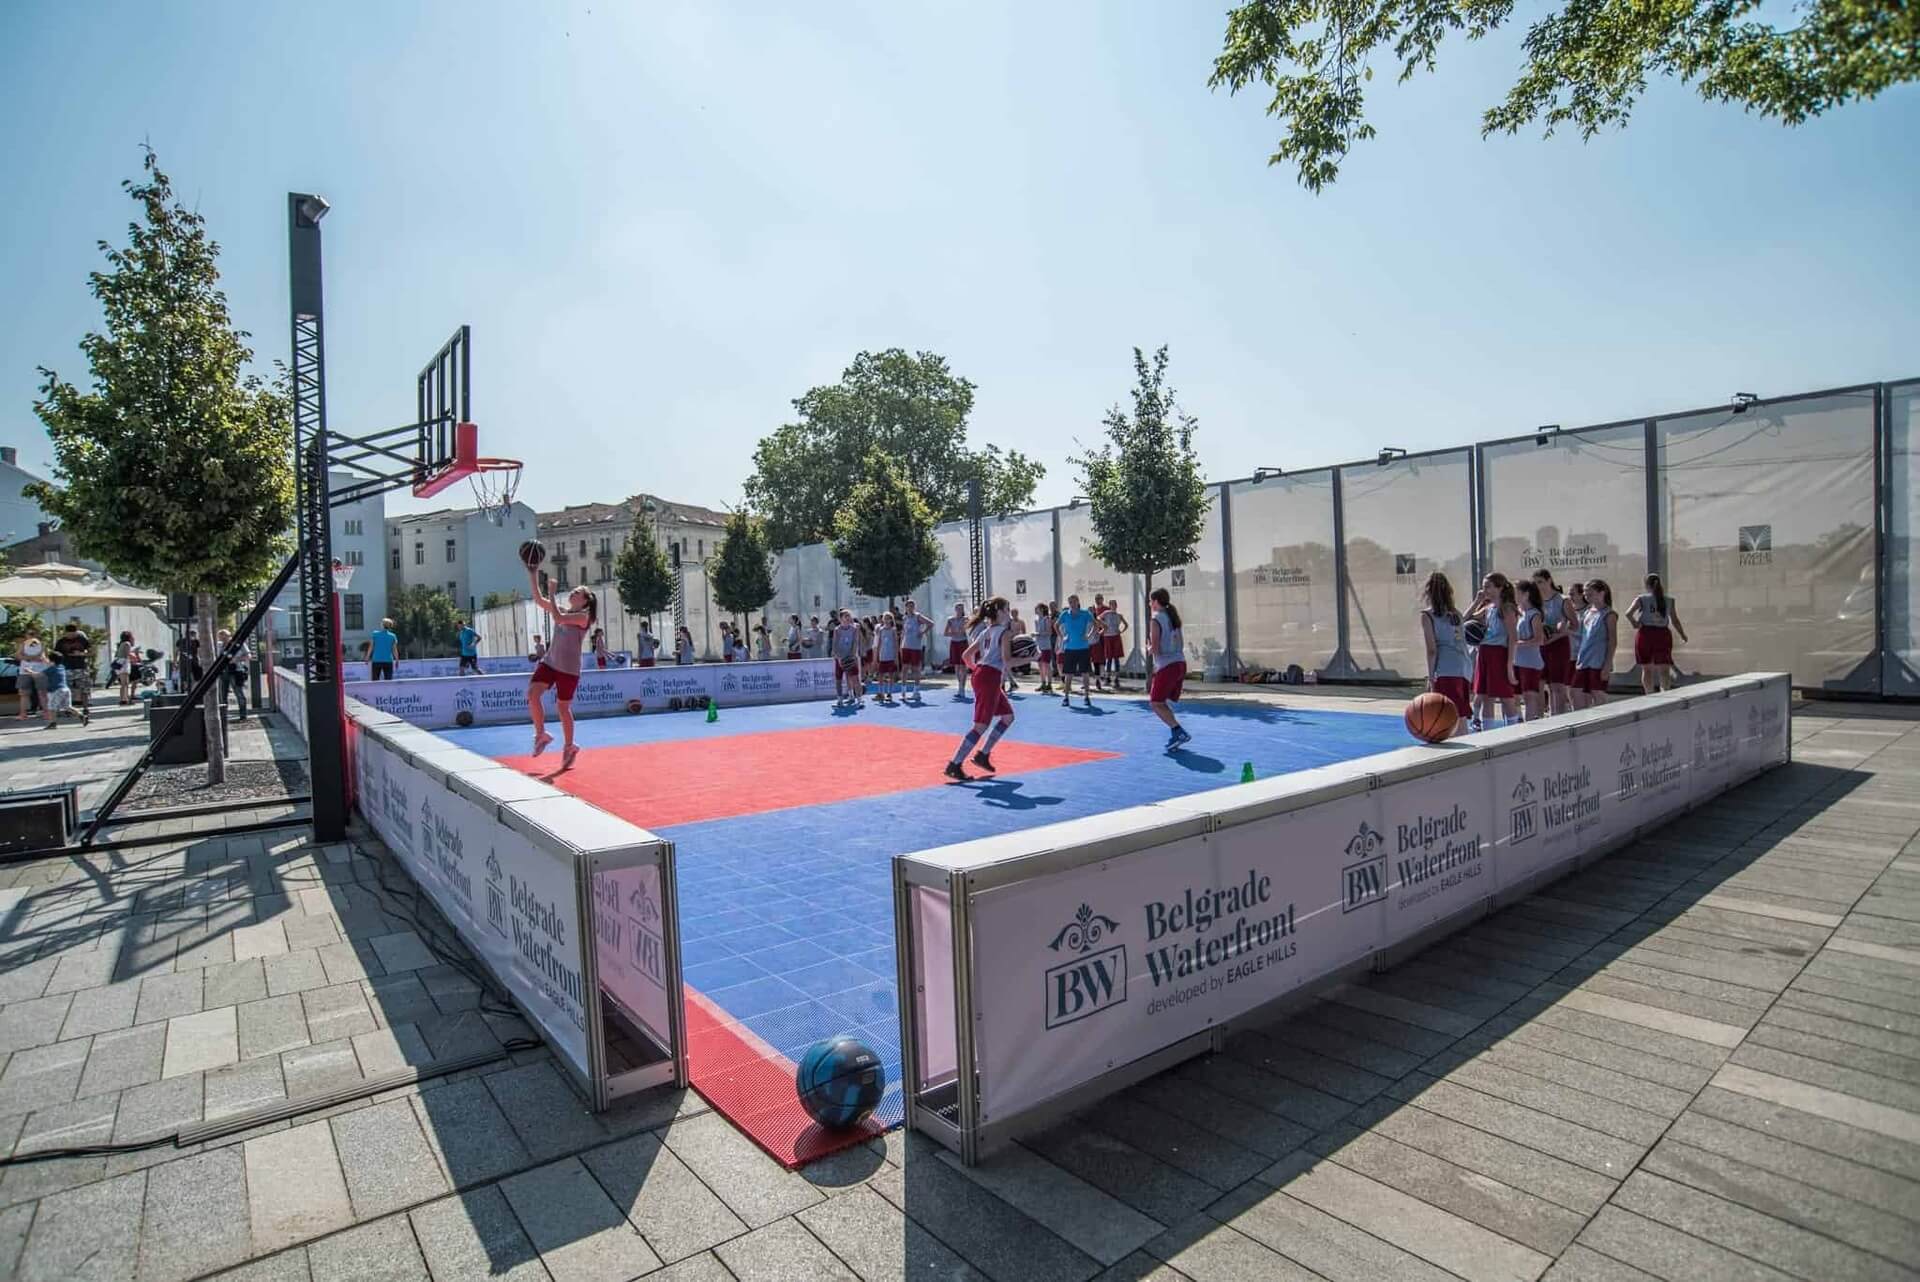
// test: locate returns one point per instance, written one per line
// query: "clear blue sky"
(666, 221)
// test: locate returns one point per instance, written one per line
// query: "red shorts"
(563, 683)
(1531, 679)
(912, 658)
(887, 667)
(727, 657)
(849, 665)
(1490, 673)
(989, 700)
(1113, 649)
(956, 650)
(643, 663)
(793, 654)
(1653, 645)
(1589, 679)
(1167, 683)
(1557, 654)
(1456, 689)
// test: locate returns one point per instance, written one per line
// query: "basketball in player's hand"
(1431, 717)
(532, 553)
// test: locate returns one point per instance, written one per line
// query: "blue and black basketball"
(840, 1082)
(1476, 632)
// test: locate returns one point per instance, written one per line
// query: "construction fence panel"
(1401, 521)
(1283, 571)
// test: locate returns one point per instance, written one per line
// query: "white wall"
(493, 555)
(20, 516)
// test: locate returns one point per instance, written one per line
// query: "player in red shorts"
(559, 667)
(915, 629)
(989, 655)
(1167, 646)
(1448, 666)
(1599, 637)
(886, 653)
(956, 634)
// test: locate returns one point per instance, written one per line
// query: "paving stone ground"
(1697, 1059)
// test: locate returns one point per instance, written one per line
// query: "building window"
(356, 526)
(396, 556)
(583, 547)
(419, 554)
(453, 590)
(562, 580)
(453, 551)
(353, 611)
(352, 556)
(703, 549)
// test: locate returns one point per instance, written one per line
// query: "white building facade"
(461, 553)
(357, 533)
(583, 540)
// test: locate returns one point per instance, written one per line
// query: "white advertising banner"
(356, 670)
(435, 703)
(510, 900)
(628, 944)
(290, 698)
(1081, 969)
(1102, 965)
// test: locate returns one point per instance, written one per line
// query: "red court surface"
(659, 785)
(753, 1085)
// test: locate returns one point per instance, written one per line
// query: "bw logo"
(643, 906)
(1405, 563)
(729, 684)
(1365, 876)
(464, 699)
(1525, 812)
(1092, 978)
(1756, 538)
(1628, 782)
(496, 899)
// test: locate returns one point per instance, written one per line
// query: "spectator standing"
(74, 652)
(233, 679)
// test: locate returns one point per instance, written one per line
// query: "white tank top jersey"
(914, 631)
(1651, 615)
(793, 637)
(1528, 628)
(1043, 633)
(846, 640)
(956, 629)
(1555, 609)
(1173, 644)
(885, 644)
(1110, 623)
(992, 639)
(645, 644)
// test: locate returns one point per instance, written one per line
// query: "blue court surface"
(786, 913)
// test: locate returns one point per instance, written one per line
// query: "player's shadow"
(1196, 762)
(1090, 710)
(1005, 794)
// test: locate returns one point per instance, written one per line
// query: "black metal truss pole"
(976, 547)
(325, 734)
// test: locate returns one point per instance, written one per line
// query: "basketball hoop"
(342, 575)
(495, 481)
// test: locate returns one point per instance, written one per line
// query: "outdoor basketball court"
(785, 818)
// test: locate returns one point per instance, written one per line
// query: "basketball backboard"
(443, 401)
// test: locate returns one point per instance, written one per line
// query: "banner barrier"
(1062, 963)
(403, 669)
(290, 697)
(572, 910)
(436, 703)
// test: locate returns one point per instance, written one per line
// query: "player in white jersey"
(915, 631)
(989, 655)
(845, 645)
(793, 636)
(956, 634)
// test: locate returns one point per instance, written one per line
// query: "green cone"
(1246, 772)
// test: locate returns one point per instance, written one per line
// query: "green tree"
(642, 576)
(425, 620)
(1148, 502)
(911, 408)
(175, 467)
(884, 533)
(741, 570)
(492, 599)
(1587, 62)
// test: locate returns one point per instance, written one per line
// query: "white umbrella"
(63, 591)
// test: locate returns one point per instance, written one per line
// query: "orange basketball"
(1431, 717)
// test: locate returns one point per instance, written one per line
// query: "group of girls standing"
(1523, 651)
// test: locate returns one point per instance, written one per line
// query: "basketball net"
(495, 482)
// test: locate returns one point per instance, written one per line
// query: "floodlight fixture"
(1388, 453)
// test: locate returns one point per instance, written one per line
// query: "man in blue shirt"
(469, 649)
(380, 648)
(1076, 651)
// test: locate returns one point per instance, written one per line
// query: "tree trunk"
(215, 702)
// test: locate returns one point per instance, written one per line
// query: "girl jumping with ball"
(559, 667)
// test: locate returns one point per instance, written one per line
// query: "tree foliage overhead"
(883, 534)
(425, 619)
(641, 574)
(741, 572)
(911, 408)
(1587, 61)
(1148, 501)
(175, 467)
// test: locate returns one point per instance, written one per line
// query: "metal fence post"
(1341, 664)
(1226, 581)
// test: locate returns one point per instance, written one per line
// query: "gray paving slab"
(1210, 1158)
(1314, 1240)
(123, 1059)
(779, 1251)
(544, 1111)
(871, 1236)
(382, 1251)
(296, 972)
(14, 1223)
(1569, 1141)
(286, 1266)
(335, 1011)
(1205, 1250)
(677, 1214)
(475, 1235)
(705, 1267)
(399, 999)
(468, 1133)
(1161, 1192)
(1716, 1219)
(295, 1189)
(101, 1010)
(1583, 1264)
(402, 951)
(1825, 1074)
(234, 983)
(272, 1025)
(85, 1233)
(33, 1022)
(196, 1216)
(1665, 1252)
(166, 996)
(387, 1160)
(995, 1238)
(1811, 1130)
(42, 1076)
(311, 932)
(23, 982)
(754, 1187)
(239, 1087)
(80, 1124)
(346, 961)
(309, 1070)
(1265, 1133)
(579, 1232)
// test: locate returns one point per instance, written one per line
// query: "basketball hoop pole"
(319, 602)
